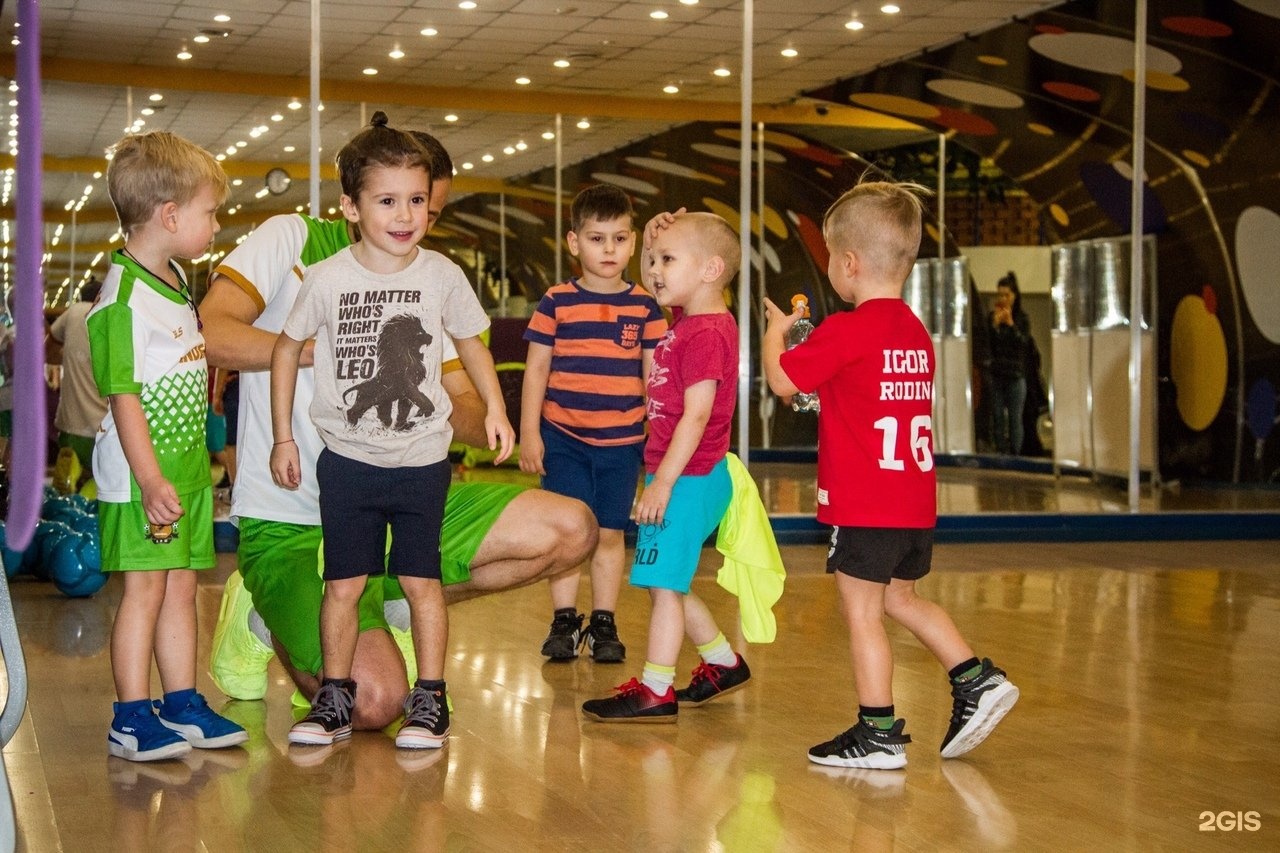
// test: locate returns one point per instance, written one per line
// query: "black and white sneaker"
(865, 746)
(601, 639)
(426, 720)
(562, 643)
(330, 717)
(977, 706)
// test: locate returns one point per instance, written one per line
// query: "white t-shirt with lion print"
(379, 338)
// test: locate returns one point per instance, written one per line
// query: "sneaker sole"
(992, 707)
(609, 657)
(874, 761)
(173, 750)
(694, 703)
(414, 740)
(662, 718)
(318, 738)
(194, 736)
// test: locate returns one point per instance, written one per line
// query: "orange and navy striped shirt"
(595, 391)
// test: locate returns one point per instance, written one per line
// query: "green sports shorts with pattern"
(280, 564)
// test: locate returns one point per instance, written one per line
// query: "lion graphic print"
(378, 354)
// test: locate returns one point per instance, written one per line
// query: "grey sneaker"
(426, 720)
(330, 717)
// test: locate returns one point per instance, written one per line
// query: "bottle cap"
(800, 300)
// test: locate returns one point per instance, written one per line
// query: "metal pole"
(940, 438)
(315, 108)
(767, 400)
(502, 254)
(744, 238)
(71, 275)
(1136, 276)
(559, 191)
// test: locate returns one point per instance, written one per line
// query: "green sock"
(881, 718)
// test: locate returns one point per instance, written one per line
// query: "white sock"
(718, 652)
(259, 629)
(396, 612)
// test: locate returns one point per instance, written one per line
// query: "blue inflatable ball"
(48, 535)
(91, 552)
(53, 505)
(86, 525)
(12, 559)
(71, 574)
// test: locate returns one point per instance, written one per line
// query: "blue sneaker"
(199, 726)
(137, 735)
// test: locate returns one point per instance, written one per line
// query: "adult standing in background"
(80, 407)
(1010, 340)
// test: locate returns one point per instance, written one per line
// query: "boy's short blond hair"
(717, 239)
(881, 222)
(157, 167)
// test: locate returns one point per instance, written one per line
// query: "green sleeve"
(111, 347)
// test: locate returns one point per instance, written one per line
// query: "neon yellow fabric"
(752, 569)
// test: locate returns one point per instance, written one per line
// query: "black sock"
(433, 686)
(566, 611)
(881, 718)
(965, 670)
(345, 683)
(601, 614)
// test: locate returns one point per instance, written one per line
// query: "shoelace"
(704, 672)
(632, 686)
(329, 703)
(424, 706)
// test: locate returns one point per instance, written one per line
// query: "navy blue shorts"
(358, 501)
(604, 478)
(231, 407)
(880, 554)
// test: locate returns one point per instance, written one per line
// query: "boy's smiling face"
(676, 266)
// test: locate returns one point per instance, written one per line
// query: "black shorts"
(880, 554)
(358, 501)
(231, 407)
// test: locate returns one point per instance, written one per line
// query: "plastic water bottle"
(803, 327)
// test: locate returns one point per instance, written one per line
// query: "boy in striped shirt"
(582, 408)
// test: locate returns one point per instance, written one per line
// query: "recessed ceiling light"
(584, 124)
(890, 9)
(521, 145)
(722, 72)
(277, 117)
(468, 165)
(220, 157)
(147, 111)
(428, 31)
(184, 54)
(231, 149)
(508, 150)
(289, 149)
(790, 52)
(240, 143)
(369, 71)
(295, 104)
(854, 24)
(396, 53)
(548, 135)
(156, 96)
(201, 39)
(222, 19)
(671, 88)
(561, 63)
(523, 81)
(237, 182)
(658, 15)
(467, 4)
(488, 158)
(97, 175)
(451, 117)
(689, 2)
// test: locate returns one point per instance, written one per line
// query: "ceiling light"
(561, 63)
(147, 111)
(671, 88)
(369, 71)
(790, 52)
(231, 149)
(451, 117)
(467, 4)
(548, 135)
(220, 157)
(855, 25)
(488, 158)
(184, 54)
(521, 145)
(396, 53)
(201, 39)
(468, 165)
(241, 143)
(262, 193)
(523, 81)
(97, 175)
(890, 9)
(155, 96)
(289, 149)
(237, 182)
(222, 19)
(428, 31)
(277, 117)
(584, 124)
(508, 150)
(295, 104)
(689, 2)
(658, 15)
(722, 72)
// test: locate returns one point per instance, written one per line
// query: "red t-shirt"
(695, 348)
(873, 370)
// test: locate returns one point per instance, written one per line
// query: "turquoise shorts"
(667, 554)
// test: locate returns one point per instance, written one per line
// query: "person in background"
(80, 407)
(1009, 341)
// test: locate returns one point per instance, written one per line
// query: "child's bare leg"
(133, 634)
(666, 626)
(175, 643)
(699, 624)
(339, 625)
(930, 624)
(430, 625)
(564, 590)
(608, 564)
(863, 604)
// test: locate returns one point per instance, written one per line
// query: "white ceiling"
(616, 52)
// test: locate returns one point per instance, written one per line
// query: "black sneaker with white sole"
(978, 704)
(601, 639)
(865, 746)
(562, 642)
(330, 716)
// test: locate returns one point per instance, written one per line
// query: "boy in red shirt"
(873, 370)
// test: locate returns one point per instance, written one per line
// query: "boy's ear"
(713, 269)
(850, 262)
(169, 216)
(349, 209)
(571, 240)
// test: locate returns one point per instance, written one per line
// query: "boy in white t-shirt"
(379, 311)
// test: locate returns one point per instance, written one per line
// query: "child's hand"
(657, 223)
(652, 505)
(777, 321)
(532, 451)
(501, 436)
(160, 501)
(286, 470)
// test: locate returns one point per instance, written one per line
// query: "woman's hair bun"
(379, 119)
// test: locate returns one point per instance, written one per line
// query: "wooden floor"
(1150, 700)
